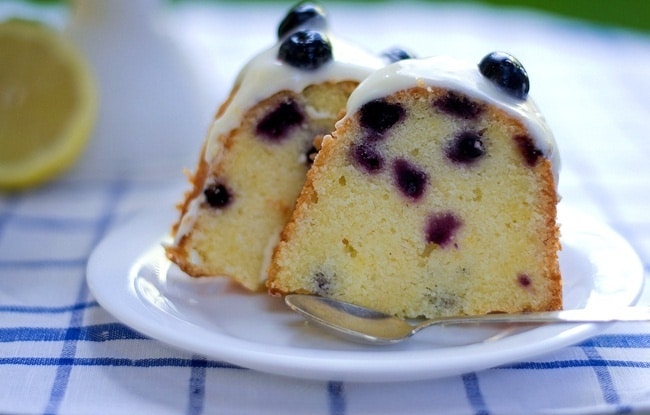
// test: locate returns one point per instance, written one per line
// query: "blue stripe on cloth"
(336, 398)
(197, 385)
(115, 193)
(43, 263)
(604, 376)
(112, 361)
(610, 394)
(46, 310)
(563, 364)
(474, 394)
(95, 333)
(69, 350)
(118, 331)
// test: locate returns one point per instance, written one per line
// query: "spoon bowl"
(362, 324)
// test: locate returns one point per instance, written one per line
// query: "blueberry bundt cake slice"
(260, 146)
(435, 196)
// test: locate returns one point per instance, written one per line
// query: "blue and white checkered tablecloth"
(61, 353)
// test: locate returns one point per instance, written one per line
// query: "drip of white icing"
(463, 77)
(266, 75)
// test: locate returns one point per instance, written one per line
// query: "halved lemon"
(47, 103)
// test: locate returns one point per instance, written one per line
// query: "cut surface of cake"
(435, 196)
(260, 146)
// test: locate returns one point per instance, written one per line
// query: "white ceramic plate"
(131, 278)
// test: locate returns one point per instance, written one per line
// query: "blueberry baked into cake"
(435, 196)
(260, 146)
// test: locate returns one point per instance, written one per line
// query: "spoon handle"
(564, 316)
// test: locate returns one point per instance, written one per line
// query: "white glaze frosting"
(265, 75)
(463, 77)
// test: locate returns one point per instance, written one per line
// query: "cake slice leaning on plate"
(260, 146)
(435, 196)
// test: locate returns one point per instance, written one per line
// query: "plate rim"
(298, 363)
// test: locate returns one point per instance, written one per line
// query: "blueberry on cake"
(260, 146)
(435, 196)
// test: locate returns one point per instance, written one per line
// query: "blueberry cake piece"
(435, 196)
(261, 144)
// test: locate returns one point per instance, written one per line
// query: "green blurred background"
(634, 14)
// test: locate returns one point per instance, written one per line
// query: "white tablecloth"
(60, 352)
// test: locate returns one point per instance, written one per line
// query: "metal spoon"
(365, 325)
